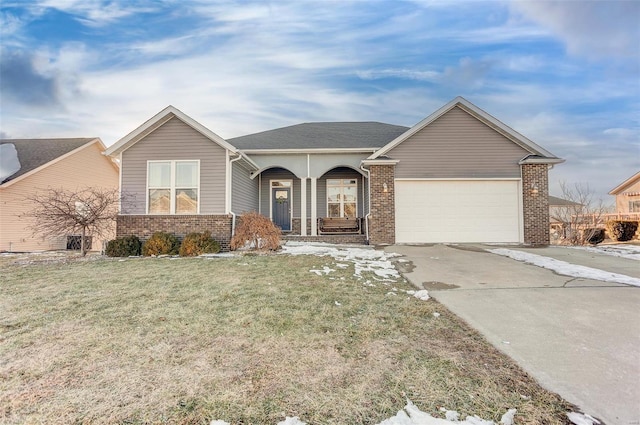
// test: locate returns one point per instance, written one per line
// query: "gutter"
(233, 215)
(368, 214)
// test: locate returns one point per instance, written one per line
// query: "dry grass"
(246, 339)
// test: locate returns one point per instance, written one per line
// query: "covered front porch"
(329, 205)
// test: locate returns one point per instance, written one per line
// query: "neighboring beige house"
(38, 164)
(627, 195)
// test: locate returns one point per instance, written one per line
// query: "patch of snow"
(567, 269)
(631, 252)
(423, 295)
(325, 270)
(507, 418)
(364, 259)
(292, 421)
(219, 423)
(451, 415)
(9, 162)
(411, 415)
(218, 255)
(436, 314)
(338, 304)
(582, 419)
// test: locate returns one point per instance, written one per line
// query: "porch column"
(314, 209)
(303, 206)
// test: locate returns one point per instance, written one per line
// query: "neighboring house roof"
(559, 202)
(36, 153)
(156, 121)
(619, 190)
(322, 135)
(537, 153)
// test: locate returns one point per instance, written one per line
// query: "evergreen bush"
(125, 246)
(161, 243)
(195, 244)
(594, 236)
(621, 231)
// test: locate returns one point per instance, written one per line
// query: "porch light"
(534, 189)
(385, 188)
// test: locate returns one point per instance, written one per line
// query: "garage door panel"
(457, 211)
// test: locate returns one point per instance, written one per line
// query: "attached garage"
(439, 211)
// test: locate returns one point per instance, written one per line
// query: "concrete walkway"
(578, 337)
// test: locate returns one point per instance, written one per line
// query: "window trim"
(172, 186)
(633, 201)
(342, 185)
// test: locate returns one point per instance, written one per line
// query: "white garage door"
(457, 211)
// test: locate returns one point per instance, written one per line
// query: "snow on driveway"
(632, 252)
(567, 269)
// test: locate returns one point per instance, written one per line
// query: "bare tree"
(581, 217)
(86, 211)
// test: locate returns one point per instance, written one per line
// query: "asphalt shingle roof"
(33, 153)
(322, 135)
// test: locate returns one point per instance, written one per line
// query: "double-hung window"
(173, 187)
(634, 205)
(342, 196)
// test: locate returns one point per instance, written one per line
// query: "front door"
(280, 207)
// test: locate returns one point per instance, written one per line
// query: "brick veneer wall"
(382, 222)
(535, 205)
(144, 226)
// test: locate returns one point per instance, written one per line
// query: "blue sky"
(566, 74)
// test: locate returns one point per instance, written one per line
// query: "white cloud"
(596, 29)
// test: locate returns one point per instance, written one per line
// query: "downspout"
(233, 215)
(366, 217)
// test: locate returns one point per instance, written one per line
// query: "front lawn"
(247, 340)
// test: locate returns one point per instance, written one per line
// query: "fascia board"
(539, 160)
(54, 161)
(631, 180)
(307, 151)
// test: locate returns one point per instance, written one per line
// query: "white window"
(342, 198)
(634, 206)
(173, 187)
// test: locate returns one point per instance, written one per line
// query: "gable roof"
(625, 184)
(36, 153)
(155, 122)
(366, 136)
(537, 153)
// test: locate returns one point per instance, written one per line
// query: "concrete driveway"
(578, 337)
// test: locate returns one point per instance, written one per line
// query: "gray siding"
(337, 173)
(175, 140)
(457, 145)
(244, 194)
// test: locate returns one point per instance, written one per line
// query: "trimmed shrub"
(125, 246)
(593, 236)
(256, 232)
(198, 243)
(621, 231)
(161, 243)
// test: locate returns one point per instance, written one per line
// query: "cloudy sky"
(564, 73)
